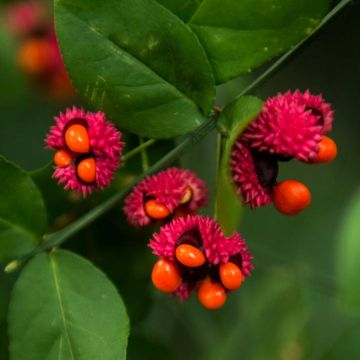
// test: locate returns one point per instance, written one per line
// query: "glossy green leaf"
(349, 256)
(183, 9)
(138, 62)
(241, 35)
(22, 212)
(234, 119)
(64, 308)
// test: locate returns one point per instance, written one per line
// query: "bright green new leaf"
(239, 35)
(22, 212)
(63, 308)
(138, 62)
(234, 119)
(349, 256)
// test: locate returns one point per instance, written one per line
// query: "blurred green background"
(289, 309)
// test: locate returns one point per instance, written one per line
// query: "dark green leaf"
(138, 62)
(22, 212)
(349, 256)
(64, 308)
(234, 119)
(241, 35)
(183, 9)
(6, 284)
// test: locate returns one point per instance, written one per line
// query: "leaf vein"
(56, 278)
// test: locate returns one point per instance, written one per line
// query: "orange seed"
(189, 255)
(231, 276)
(166, 276)
(62, 158)
(291, 197)
(327, 151)
(211, 295)
(86, 170)
(156, 210)
(77, 139)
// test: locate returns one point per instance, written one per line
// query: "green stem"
(217, 175)
(137, 150)
(276, 65)
(144, 157)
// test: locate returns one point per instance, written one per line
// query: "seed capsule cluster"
(290, 126)
(77, 141)
(169, 194)
(194, 255)
(87, 150)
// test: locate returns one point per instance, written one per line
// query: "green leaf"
(64, 308)
(238, 114)
(234, 119)
(6, 284)
(241, 35)
(22, 212)
(138, 62)
(349, 256)
(183, 9)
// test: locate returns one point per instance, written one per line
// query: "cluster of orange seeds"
(166, 276)
(77, 142)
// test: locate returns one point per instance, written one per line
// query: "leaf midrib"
(56, 278)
